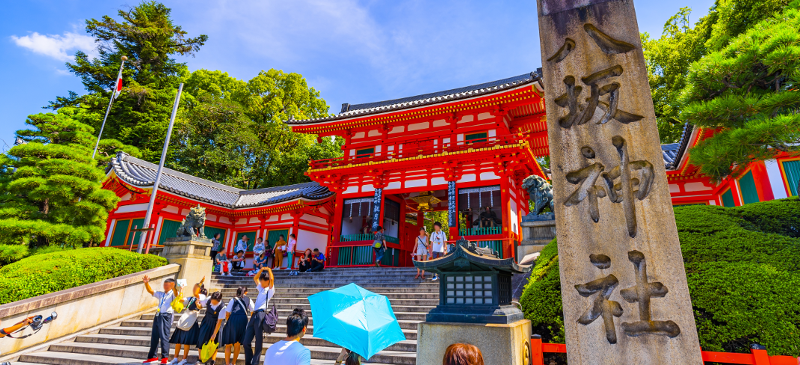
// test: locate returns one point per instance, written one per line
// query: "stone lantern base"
(507, 344)
(194, 256)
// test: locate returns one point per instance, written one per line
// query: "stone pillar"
(377, 205)
(624, 290)
(194, 256)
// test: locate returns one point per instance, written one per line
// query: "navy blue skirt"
(185, 337)
(206, 330)
(234, 330)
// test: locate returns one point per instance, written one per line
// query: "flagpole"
(143, 237)
(108, 109)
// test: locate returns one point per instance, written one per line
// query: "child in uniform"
(162, 321)
(236, 313)
(211, 322)
(188, 338)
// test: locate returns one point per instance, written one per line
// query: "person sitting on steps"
(238, 261)
(317, 261)
(305, 261)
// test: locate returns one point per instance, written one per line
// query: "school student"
(211, 322)
(162, 320)
(266, 290)
(187, 338)
(236, 313)
(290, 351)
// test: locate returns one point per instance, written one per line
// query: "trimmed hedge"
(743, 270)
(51, 272)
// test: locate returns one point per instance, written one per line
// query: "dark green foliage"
(670, 57)
(149, 38)
(12, 253)
(51, 272)
(743, 270)
(541, 300)
(50, 187)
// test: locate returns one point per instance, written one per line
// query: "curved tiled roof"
(673, 152)
(349, 111)
(142, 173)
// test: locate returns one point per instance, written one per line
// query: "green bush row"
(47, 273)
(743, 270)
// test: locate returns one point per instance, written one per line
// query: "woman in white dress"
(421, 249)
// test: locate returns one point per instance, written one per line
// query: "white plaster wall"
(418, 126)
(132, 208)
(674, 188)
(315, 219)
(695, 186)
(286, 216)
(393, 185)
(489, 176)
(126, 197)
(416, 183)
(466, 178)
(373, 133)
(224, 220)
(367, 188)
(272, 218)
(467, 118)
(242, 221)
(171, 209)
(351, 189)
(439, 123)
(438, 181)
(312, 240)
(254, 220)
(776, 179)
(211, 217)
(482, 116)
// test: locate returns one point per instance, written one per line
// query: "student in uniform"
(162, 320)
(236, 313)
(188, 338)
(265, 283)
(211, 322)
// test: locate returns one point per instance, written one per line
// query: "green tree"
(51, 188)
(748, 92)
(233, 132)
(670, 57)
(149, 38)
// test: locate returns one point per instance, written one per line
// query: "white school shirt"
(287, 353)
(264, 295)
(164, 301)
(202, 300)
(229, 307)
(438, 238)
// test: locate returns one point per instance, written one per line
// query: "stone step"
(230, 293)
(411, 334)
(279, 290)
(403, 346)
(140, 352)
(405, 324)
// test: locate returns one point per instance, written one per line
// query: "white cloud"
(57, 46)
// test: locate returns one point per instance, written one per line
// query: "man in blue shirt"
(317, 261)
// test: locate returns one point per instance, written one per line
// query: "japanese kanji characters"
(623, 182)
(641, 293)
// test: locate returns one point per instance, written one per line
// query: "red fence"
(755, 357)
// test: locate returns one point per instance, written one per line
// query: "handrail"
(425, 147)
(480, 231)
(755, 357)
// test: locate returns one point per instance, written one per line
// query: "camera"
(38, 321)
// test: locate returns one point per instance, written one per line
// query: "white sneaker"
(183, 362)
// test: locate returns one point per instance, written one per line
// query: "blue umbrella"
(356, 319)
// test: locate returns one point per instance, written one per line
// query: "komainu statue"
(193, 224)
(541, 194)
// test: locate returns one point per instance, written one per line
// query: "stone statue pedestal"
(535, 235)
(194, 256)
(499, 343)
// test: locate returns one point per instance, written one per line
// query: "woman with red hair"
(462, 354)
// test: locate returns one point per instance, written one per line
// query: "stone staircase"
(128, 342)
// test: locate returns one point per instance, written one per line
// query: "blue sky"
(351, 50)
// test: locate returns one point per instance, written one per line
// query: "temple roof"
(357, 110)
(673, 152)
(141, 173)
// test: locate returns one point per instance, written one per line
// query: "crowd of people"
(429, 247)
(241, 319)
(309, 261)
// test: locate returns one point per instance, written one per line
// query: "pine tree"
(50, 187)
(748, 92)
(149, 38)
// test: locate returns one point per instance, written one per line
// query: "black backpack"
(271, 320)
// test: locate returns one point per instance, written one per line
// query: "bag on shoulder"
(271, 320)
(188, 319)
(177, 305)
(378, 244)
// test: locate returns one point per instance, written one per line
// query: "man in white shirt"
(162, 321)
(265, 283)
(439, 244)
(290, 351)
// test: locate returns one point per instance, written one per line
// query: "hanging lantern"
(425, 200)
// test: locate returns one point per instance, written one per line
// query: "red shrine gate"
(465, 151)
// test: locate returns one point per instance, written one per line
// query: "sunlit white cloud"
(61, 47)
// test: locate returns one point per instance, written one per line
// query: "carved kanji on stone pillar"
(611, 192)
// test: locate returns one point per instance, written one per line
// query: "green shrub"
(12, 253)
(48, 273)
(743, 270)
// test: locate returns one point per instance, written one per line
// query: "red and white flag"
(118, 86)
